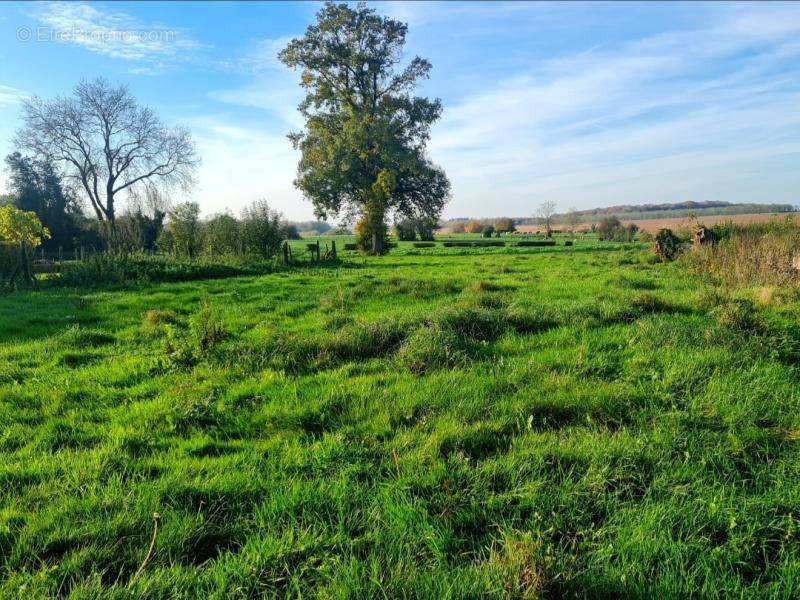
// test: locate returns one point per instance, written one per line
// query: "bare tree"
(108, 143)
(545, 213)
(572, 220)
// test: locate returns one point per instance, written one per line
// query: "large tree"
(108, 143)
(363, 146)
(37, 186)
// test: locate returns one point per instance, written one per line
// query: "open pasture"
(463, 423)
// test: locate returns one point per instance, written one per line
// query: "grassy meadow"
(437, 423)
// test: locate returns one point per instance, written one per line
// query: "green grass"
(440, 422)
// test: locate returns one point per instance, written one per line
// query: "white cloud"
(242, 164)
(112, 33)
(657, 119)
(11, 95)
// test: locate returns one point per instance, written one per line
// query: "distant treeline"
(655, 211)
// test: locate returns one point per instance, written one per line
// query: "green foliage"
(37, 187)
(405, 230)
(371, 236)
(263, 229)
(21, 228)
(184, 230)
(666, 245)
(363, 146)
(205, 333)
(610, 228)
(504, 225)
(222, 236)
(136, 269)
(488, 231)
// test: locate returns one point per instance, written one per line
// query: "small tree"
(366, 231)
(184, 227)
(405, 230)
(473, 226)
(607, 228)
(488, 231)
(545, 213)
(504, 225)
(263, 229)
(37, 186)
(667, 245)
(20, 231)
(222, 236)
(426, 227)
(571, 220)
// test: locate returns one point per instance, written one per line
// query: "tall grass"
(754, 254)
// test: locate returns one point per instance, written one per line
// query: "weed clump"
(737, 315)
(431, 348)
(155, 317)
(205, 333)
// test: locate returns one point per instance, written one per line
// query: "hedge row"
(424, 244)
(480, 244)
(537, 243)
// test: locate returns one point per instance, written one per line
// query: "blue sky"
(583, 104)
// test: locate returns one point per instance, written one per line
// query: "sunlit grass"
(502, 422)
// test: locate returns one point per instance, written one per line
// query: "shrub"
(367, 231)
(351, 247)
(504, 225)
(205, 333)
(607, 227)
(473, 244)
(473, 226)
(263, 229)
(534, 243)
(131, 269)
(426, 226)
(424, 244)
(405, 230)
(568, 243)
(667, 245)
(488, 231)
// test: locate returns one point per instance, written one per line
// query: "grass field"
(436, 423)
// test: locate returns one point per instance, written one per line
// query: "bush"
(130, 269)
(351, 247)
(667, 245)
(405, 230)
(568, 243)
(263, 230)
(473, 244)
(424, 244)
(607, 227)
(366, 231)
(205, 333)
(488, 231)
(535, 243)
(504, 225)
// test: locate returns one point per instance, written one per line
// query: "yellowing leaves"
(21, 227)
